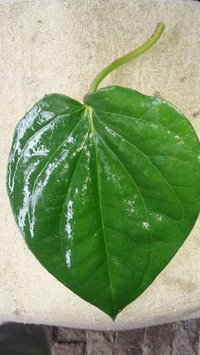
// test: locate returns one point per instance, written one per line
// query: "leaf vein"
(155, 167)
(39, 130)
(146, 121)
(141, 196)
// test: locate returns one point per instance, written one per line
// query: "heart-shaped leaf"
(105, 193)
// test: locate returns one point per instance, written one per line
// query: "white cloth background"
(59, 46)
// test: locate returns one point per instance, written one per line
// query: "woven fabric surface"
(59, 46)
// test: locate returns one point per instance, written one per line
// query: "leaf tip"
(114, 317)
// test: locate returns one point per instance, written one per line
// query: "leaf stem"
(127, 57)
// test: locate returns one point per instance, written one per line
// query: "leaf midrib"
(100, 207)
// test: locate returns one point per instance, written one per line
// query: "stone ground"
(181, 338)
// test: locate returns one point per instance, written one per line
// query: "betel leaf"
(105, 192)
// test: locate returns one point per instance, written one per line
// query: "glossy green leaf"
(105, 193)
